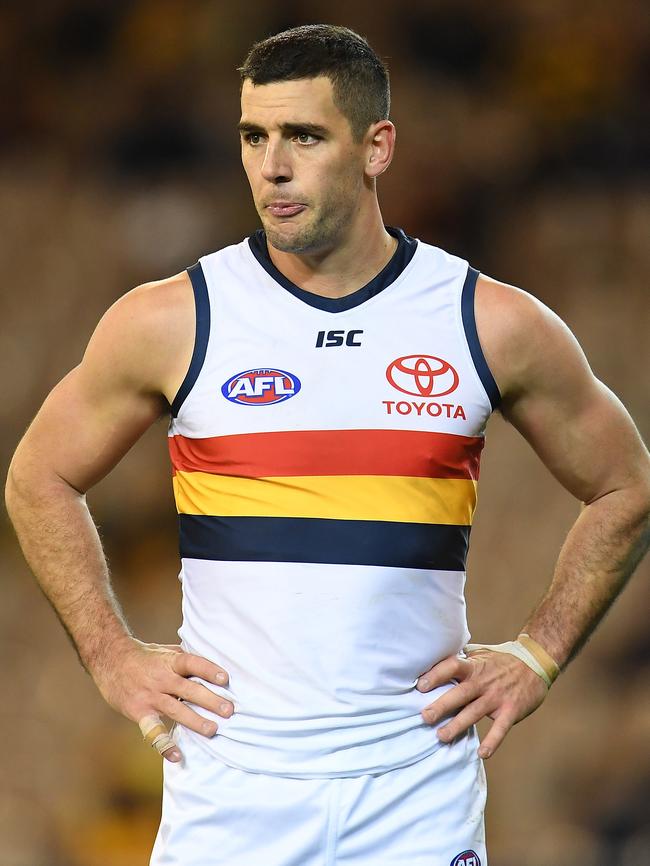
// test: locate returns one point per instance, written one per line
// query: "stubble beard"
(321, 233)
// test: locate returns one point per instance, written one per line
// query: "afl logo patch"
(467, 858)
(422, 376)
(261, 387)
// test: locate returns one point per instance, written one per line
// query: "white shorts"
(429, 813)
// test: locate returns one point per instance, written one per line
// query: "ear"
(380, 147)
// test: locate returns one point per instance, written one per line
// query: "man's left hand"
(489, 685)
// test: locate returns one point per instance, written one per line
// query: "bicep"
(583, 434)
(99, 410)
(578, 427)
(83, 429)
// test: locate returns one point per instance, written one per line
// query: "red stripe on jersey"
(413, 453)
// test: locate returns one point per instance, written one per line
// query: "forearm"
(600, 553)
(63, 549)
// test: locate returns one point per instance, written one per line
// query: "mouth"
(284, 208)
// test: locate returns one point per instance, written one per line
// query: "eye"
(252, 138)
(306, 137)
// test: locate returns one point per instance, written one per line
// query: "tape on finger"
(526, 650)
(155, 733)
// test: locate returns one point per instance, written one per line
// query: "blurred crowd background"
(523, 145)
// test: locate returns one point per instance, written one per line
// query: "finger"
(460, 724)
(451, 668)
(457, 697)
(179, 712)
(156, 735)
(195, 693)
(496, 735)
(189, 665)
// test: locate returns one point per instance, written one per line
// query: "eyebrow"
(286, 128)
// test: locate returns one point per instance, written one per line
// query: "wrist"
(527, 651)
(548, 664)
(105, 654)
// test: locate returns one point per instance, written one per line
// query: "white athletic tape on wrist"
(517, 649)
(547, 661)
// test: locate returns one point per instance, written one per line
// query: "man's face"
(305, 170)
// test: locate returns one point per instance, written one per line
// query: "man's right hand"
(148, 679)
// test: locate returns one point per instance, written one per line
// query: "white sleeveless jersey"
(325, 456)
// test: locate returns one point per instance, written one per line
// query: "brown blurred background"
(523, 145)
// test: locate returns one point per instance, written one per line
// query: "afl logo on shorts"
(261, 387)
(422, 376)
(467, 858)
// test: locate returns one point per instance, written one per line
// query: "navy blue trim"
(406, 247)
(469, 323)
(306, 539)
(202, 306)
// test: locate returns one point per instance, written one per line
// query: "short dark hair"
(360, 84)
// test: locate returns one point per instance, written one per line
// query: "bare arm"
(46, 501)
(133, 365)
(586, 438)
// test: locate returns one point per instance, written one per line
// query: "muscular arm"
(47, 504)
(588, 441)
(132, 368)
(584, 435)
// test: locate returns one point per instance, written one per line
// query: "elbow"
(638, 495)
(636, 490)
(11, 488)
(645, 523)
(646, 511)
(31, 483)
(628, 504)
(639, 502)
(16, 485)
(644, 491)
(26, 484)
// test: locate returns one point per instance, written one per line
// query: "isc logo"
(467, 858)
(337, 338)
(261, 387)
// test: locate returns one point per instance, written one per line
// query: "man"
(329, 380)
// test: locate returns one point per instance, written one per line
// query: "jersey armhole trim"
(471, 333)
(202, 305)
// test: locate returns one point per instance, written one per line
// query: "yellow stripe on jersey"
(346, 497)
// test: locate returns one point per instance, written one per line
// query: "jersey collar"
(405, 251)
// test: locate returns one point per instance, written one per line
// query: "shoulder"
(152, 308)
(578, 427)
(146, 337)
(526, 345)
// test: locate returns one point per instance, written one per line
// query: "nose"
(276, 166)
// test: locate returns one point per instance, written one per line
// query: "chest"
(399, 370)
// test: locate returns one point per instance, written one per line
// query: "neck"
(348, 266)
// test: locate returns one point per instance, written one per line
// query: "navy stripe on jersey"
(202, 306)
(341, 542)
(469, 323)
(405, 251)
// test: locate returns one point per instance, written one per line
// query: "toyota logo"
(422, 376)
